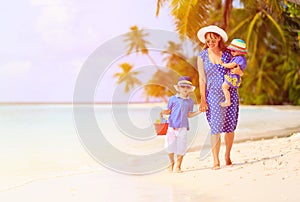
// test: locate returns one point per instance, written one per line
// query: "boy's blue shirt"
(180, 108)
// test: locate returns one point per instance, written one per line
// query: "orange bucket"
(161, 128)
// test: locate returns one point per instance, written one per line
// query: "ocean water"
(44, 141)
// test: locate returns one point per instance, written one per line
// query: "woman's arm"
(202, 84)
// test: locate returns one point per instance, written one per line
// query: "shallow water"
(42, 141)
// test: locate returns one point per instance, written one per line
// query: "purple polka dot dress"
(220, 119)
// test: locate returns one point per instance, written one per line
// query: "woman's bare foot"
(178, 170)
(216, 165)
(225, 104)
(228, 162)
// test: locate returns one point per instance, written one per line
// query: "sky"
(45, 43)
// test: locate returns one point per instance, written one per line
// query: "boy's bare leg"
(172, 162)
(179, 161)
(216, 144)
(225, 88)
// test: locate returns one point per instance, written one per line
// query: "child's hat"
(184, 81)
(238, 45)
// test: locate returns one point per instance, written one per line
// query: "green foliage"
(273, 49)
(271, 29)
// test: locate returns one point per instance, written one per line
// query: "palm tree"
(127, 76)
(267, 26)
(269, 34)
(291, 70)
(136, 42)
(260, 24)
(292, 78)
(226, 13)
(160, 85)
(189, 15)
(269, 44)
(261, 83)
(173, 53)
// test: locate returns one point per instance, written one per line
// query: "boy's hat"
(238, 45)
(184, 81)
(211, 28)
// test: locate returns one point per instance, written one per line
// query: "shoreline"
(270, 168)
(97, 167)
(281, 133)
(264, 142)
(279, 107)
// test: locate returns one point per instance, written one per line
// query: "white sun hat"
(211, 28)
(184, 81)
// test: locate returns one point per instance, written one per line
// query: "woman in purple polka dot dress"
(211, 76)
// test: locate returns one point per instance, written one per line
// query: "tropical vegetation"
(271, 29)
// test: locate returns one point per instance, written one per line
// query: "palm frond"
(159, 4)
(280, 31)
(189, 16)
(251, 26)
(240, 26)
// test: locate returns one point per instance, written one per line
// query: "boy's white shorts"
(176, 140)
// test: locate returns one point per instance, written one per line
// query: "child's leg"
(181, 148)
(171, 146)
(172, 162)
(179, 162)
(225, 88)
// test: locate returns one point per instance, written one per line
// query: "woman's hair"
(213, 35)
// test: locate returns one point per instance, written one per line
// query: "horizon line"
(41, 103)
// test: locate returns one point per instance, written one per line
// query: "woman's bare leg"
(216, 144)
(229, 137)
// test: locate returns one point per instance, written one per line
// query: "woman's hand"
(203, 106)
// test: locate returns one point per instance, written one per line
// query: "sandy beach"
(42, 159)
(263, 170)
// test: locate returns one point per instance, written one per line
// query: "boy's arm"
(165, 112)
(192, 114)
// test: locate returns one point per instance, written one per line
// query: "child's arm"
(237, 70)
(229, 65)
(192, 114)
(234, 68)
(165, 112)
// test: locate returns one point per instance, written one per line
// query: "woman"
(211, 77)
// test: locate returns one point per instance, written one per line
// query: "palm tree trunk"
(226, 13)
(153, 61)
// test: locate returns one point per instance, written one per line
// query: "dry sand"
(263, 170)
